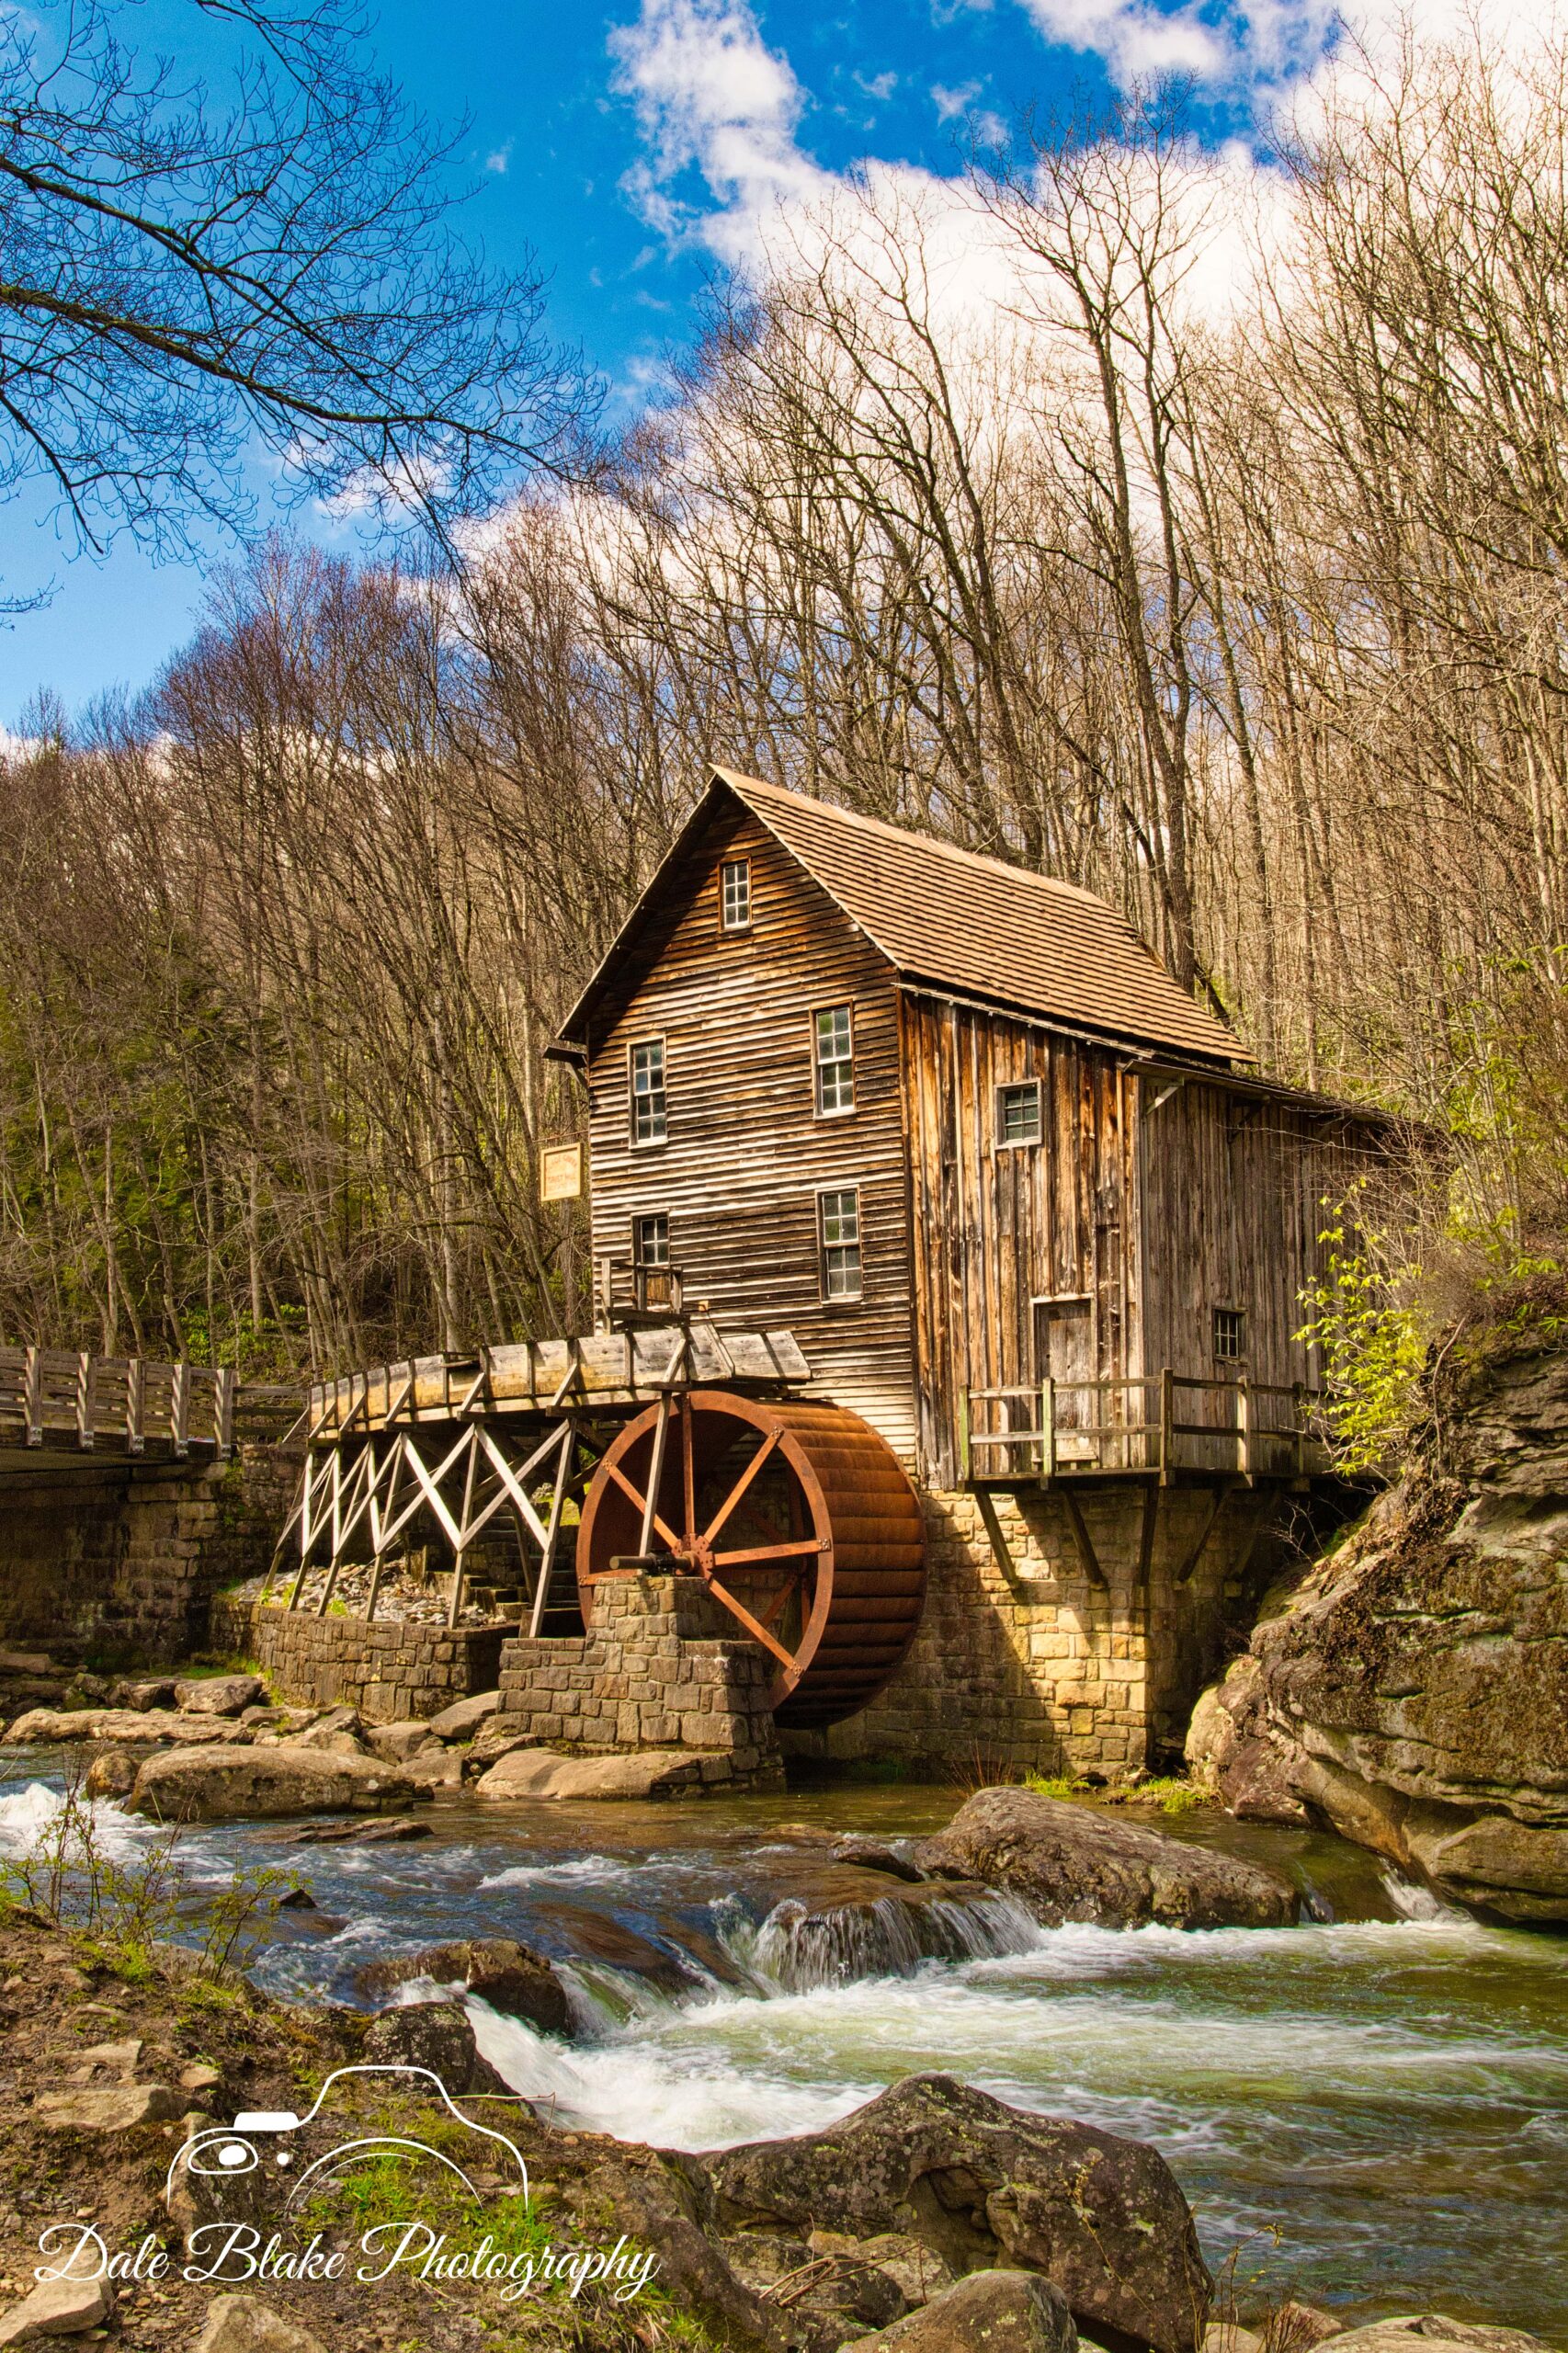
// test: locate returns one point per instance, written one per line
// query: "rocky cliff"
(1411, 1690)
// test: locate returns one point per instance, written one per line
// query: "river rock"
(242, 2324)
(115, 2108)
(438, 2035)
(1231, 1753)
(1071, 1862)
(219, 1695)
(56, 2308)
(986, 2185)
(112, 1773)
(631, 1773)
(143, 1692)
(463, 1718)
(1411, 1688)
(133, 1727)
(506, 1974)
(873, 1855)
(1434, 2332)
(394, 1832)
(890, 1933)
(239, 1785)
(991, 2312)
(398, 1742)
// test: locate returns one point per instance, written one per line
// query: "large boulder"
(991, 2312)
(438, 2035)
(219, 1695)
(1411, 1692)
(245, 2323)
(507, 1975)
(1434, 2332)
(1073, 1862)
(137, 1727)
(630, 1773)
(986, 2185)
(56, 2308)
(248, 1784)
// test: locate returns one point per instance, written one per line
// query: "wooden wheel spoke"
(640, 1500)
(753, 1625)
(789, 1551)
(790, 1585)
(742, 1484)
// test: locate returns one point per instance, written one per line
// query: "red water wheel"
(797, 1518)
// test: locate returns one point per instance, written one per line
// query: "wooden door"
(1066, 1353)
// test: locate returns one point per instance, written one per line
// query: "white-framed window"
(651, 1239)
(650, 1121)
(1230, 1334)
(833, 1045)
(839, 1242)
(1018, 1117)
(735, 894)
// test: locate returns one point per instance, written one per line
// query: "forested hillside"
(1192, 531)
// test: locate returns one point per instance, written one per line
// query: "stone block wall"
(1039, 1664)
(660, 1669)
(387, 1668)
(122, 1564)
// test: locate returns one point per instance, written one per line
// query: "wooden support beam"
(1195, 1551)
(988, 1513)
(656, 1475)
(465, 1532)
(1084, 1540)
(552, 1534)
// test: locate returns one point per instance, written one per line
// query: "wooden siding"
(746, 1155)
(998, 1228)
(1232, 1188)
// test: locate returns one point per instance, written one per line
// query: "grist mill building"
(946, 1375)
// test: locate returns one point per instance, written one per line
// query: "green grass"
(1055, 1785)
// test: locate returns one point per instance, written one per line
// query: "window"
(834, 1060)
(650, 1240)
(838, 1228)
(735, 894)
(648, 1106)
(1229, 1333)
(1017, 1113)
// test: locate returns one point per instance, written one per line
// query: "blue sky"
(632, 150)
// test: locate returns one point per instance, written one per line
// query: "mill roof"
(955, 921)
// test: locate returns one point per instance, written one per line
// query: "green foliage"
(1056, 1785)
(1171, 1792)
(1362, 1314)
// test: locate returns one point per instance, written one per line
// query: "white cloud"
(950, 103)
(712, 99)
(498, 160)
(877, 85)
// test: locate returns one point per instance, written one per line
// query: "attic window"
(1017, 1113)
(1230, 1334)
(735, 894)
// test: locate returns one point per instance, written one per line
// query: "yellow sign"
(560, 1172)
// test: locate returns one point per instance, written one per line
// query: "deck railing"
(1142, 1425)
(626, 1287)
(58, 1397)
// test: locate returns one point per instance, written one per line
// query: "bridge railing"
(62, 1398)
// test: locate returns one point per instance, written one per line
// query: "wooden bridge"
(59, 1402)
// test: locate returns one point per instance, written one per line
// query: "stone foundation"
(1039, 1665)
(660, 1668)
(121, 1564)
(388, 1670)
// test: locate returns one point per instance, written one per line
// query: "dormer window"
(735, 894)
(649, 1107)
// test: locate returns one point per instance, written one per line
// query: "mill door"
(1065, 1354)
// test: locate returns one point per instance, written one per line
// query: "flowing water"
(1371, 2110)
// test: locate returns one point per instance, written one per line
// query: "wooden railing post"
(1167, 1423)
(32, 1397)
(135, 1438)
(224, 1411)
(1047, 1430)
(86, 1399)
(964, 1449)
(179, 1410)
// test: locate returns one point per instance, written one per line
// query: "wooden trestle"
(518, 1428)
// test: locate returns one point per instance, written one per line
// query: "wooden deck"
(57, 1402)
(1165, 1426)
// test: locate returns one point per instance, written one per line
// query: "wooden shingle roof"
(958, 921)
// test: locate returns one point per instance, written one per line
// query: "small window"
(651, 1240)
(648, 1124)
(735, 894)
(1017, 1113)
(1229, 1333)
(834, 1061)
(839, 1227)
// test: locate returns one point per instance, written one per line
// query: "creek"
(1370, 2111)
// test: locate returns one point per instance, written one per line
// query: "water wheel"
(797, 1518)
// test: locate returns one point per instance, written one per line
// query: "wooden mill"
(949, 1262)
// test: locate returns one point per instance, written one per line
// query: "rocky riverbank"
(1411, 1690)
(933, 2220)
